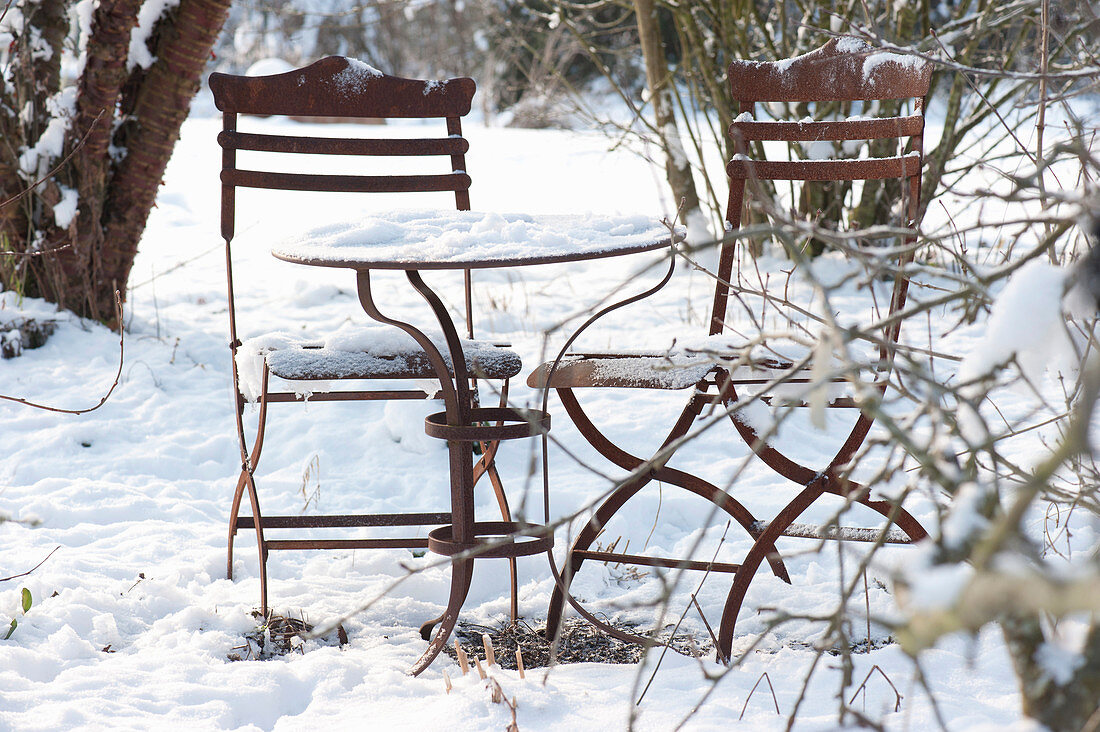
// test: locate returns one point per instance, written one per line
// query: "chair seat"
(368, 352)
(675, 368)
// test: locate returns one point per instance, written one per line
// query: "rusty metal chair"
(842, 71)
(341, 89)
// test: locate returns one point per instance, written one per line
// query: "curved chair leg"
(234, 511)
(584, 539)
(662, 472)
(592, 529)
(486, 465)
(747, 571)
(261, 544)
(461, 574)
(246, 481)
(790, 513)
(624, 493)
(506, 515)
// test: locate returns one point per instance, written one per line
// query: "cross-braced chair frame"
(843, 70)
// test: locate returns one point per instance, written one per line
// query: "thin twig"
(664, 650)
(105, 397)
(37, 253)
(24, 574)
(713, 638)
(863, 688)
(763, 677)
(57, 167)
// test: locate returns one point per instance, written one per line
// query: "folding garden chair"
(734, 366)
(343, 89)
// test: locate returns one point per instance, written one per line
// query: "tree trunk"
(99, 89)
(677, 166)
(1067, 703)
(120, 138)
(24, 118)
(162, 104)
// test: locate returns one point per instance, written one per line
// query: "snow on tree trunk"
(100, 146)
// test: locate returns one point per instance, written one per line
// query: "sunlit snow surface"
(133, 618)
(454, 239)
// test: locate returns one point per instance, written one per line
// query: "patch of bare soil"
(21, 334)
(279, 636)
(580, 642)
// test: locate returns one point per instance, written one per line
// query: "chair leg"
(506, 515)
(757, 553)
(486, 465)
(261, 544)
(234, 512)
(744, 576)
(620, 496)
(246, 481)
(663, 473)
(587, 535)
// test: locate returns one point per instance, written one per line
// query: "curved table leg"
(455, 385)
(486, 466)
(462, 571)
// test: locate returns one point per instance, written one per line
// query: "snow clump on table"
(445, 239)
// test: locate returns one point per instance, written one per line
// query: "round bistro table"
(412, 241)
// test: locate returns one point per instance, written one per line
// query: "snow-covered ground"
(132, 617)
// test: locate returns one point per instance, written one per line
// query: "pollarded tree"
(93, 97)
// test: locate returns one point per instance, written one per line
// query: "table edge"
(480, 263)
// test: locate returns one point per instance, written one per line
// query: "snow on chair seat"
(370, 352)
(765, 362)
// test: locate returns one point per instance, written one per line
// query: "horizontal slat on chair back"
(852, 129)
(341, 87)
(343, 146)
(337, 87)
(346, 183)
(843, 69)
(825, 170)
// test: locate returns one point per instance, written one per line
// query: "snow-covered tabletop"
(423, 239)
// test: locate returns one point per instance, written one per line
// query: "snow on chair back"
(843, 70)
(341, 87)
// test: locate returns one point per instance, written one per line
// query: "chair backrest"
(843, 70)
(338, 87)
